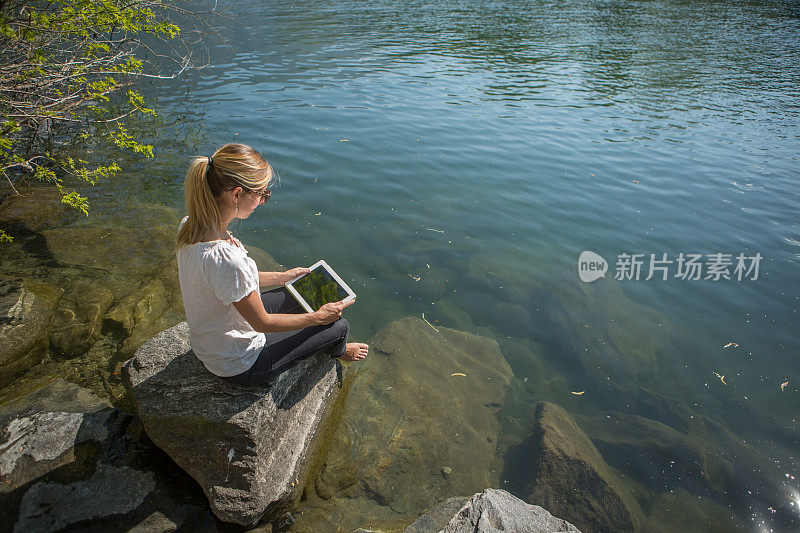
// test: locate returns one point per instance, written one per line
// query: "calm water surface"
(482, 146)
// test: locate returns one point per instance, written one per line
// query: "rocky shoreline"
(70, 459)
(78, 300)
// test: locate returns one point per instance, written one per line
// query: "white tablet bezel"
(321, 263)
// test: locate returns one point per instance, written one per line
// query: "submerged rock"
(96, 267)
(26, 311)
(78, 319)
(571, 478)
(704, 457)
(425, 398)
(660, 456)
(142, 314)
(449, 314)
(493, 511)
(250, 449)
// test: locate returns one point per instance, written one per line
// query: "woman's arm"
(252, 309)
(268, 279)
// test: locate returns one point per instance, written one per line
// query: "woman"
(237, 332)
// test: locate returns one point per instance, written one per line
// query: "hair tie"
(208, 166)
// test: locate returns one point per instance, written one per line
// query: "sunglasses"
(263, 196)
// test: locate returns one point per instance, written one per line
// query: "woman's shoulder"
(222, 252)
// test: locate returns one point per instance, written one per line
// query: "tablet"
(320, 286)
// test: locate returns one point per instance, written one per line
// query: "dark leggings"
(286, 348)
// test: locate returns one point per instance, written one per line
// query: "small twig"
(11, 184)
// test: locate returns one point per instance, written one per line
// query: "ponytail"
(204, 215)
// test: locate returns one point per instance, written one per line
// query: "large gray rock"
(494, 510)
(250, 449)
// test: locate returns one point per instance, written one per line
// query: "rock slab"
(494, 511)
(248, 448)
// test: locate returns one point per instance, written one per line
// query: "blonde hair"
(233, 165)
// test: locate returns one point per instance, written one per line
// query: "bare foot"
(355, 351)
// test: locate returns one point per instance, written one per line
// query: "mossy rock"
(572, 480)
(26, 313)
(78, 320)
(408, 417)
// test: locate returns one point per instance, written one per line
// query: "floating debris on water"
(731, 344)
(783, 385)
(458, 374)
(415, 278)
(438, 230)
(721, 378)
(581, 393)
(431, 325)
(317, 214)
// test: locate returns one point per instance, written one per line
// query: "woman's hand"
(294, 273)
(331, 312)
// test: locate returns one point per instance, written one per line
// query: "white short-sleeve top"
(212, 276)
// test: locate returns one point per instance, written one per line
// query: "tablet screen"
(318, 288)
